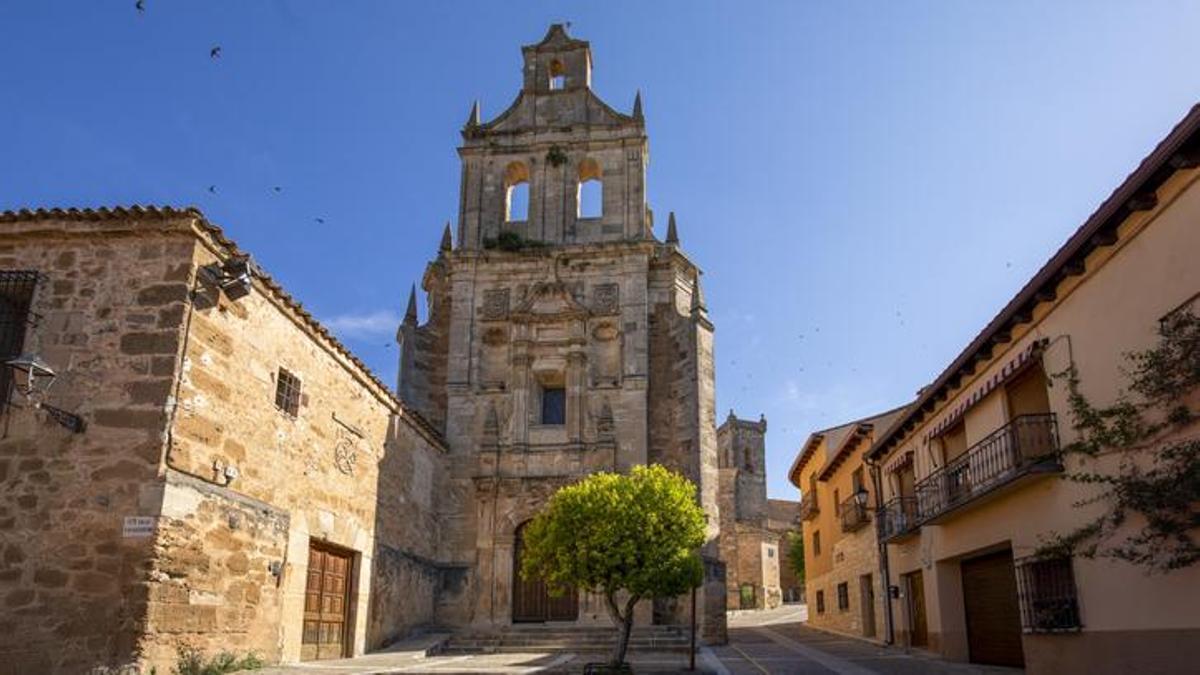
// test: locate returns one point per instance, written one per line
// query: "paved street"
(778, 642)
(772, 642)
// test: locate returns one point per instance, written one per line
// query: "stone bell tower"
(562, 338)
(555, 141)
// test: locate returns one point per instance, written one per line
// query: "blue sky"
(864, 183)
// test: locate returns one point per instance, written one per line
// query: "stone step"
(571, 632)
(489, 647)
(559, 638)
(558, 644)
(589, 648)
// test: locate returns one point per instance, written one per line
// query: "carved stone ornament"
(605, 425)
(605, 332)
(606, 298)
(495, 304)
(345, 453)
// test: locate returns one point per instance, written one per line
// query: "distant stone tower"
(562, 339)
(749, 549)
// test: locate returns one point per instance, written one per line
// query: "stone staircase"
(541, 638)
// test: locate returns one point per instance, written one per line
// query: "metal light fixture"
(861, 497)
(33, 378)
(234, 277)
(33, 375)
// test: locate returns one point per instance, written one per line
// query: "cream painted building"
(843, 583)
(972, 472)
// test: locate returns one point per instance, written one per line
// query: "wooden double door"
(532, 602)
(326, 603)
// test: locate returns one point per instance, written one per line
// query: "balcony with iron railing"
(854, 516)
(808, 505)
(897, 519)
(1026, 446)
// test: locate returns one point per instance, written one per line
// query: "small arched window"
(589, 196)
(516, 192)
(558, 75)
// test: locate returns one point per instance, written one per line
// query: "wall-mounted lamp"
(234, 277)
(33, 378)
(861, 497)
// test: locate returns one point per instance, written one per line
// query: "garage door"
(993, 618)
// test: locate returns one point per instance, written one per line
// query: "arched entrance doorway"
(531, 599)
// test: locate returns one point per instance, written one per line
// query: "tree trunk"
(624, 623)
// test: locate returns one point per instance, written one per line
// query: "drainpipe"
(889, 625)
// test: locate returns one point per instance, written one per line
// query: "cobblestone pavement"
(774, 642)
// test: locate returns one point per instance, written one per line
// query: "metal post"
(882, 547)
(692, 650)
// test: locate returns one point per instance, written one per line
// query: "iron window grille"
(1048, 598)
(287, 393)
(843, 591)
(17, 288)
(820, 602)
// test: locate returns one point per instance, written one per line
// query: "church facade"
(562, 338)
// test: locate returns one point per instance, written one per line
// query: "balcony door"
(1027, 397)
(1027, 394)
(957, 472)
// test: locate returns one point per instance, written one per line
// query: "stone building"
(212, 468)
(783, 518)
(843, 585)
(972, 471)
(749, 547)
(238, 475)
(562, 338)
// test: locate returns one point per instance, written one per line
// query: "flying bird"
(277, 189)
(141, 5)
(215, 52)
(320, 221)
(212, 189)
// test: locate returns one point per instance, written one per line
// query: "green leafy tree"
(623, 537)
(796, 554)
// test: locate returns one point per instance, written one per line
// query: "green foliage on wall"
(1156, 486)
(796, 554)
(512, 241)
